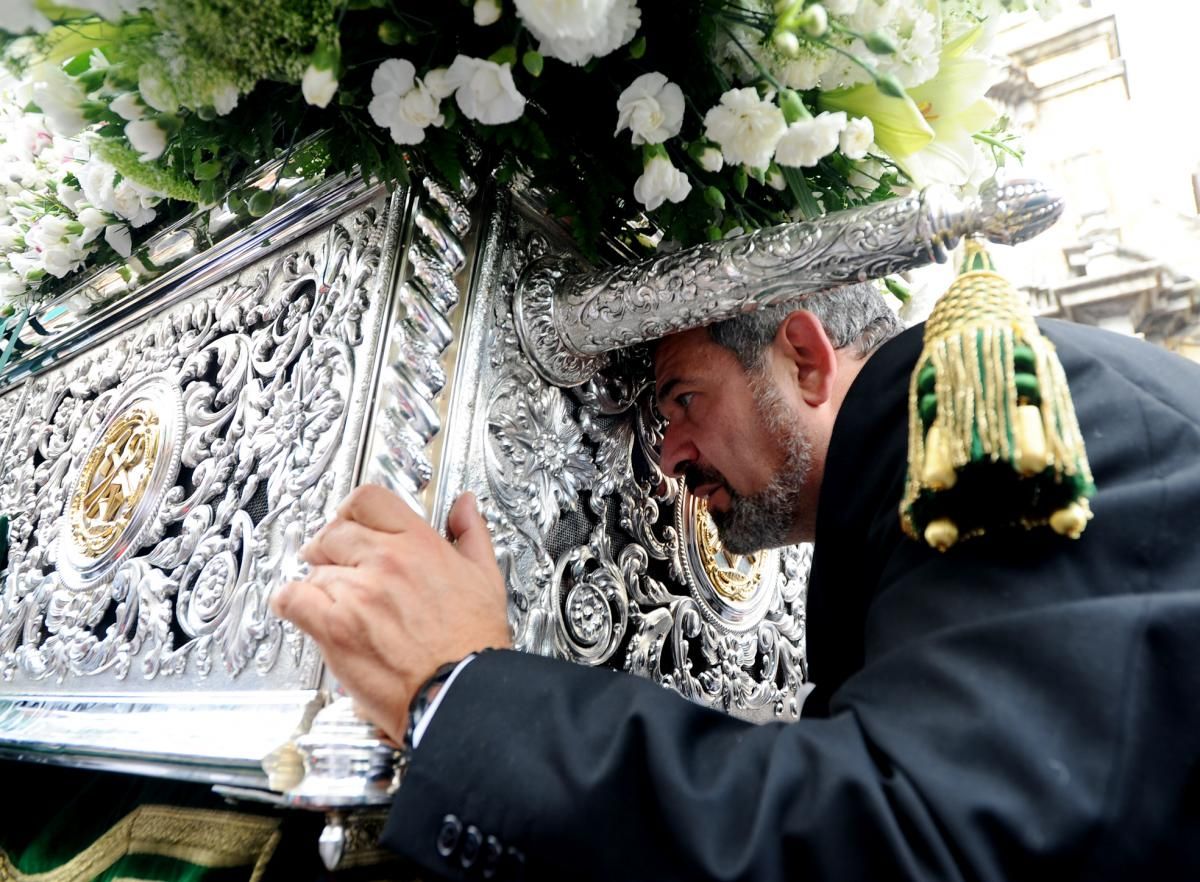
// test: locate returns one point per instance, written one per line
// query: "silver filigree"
(251, 385)
(569, 321)
(616, 581)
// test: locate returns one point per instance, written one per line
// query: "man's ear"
(802, 340)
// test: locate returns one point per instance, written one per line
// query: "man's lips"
(716, 495)
(707, 484)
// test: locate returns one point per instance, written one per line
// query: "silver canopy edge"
(568, 322)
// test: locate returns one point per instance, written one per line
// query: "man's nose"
(677, 452)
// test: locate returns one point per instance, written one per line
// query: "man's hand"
(389, 600)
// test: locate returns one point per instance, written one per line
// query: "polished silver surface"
(184, 735)
(252, 365)
(350, 337)
(347, 762)
(351, 839)
(570, 320)
(195, 253)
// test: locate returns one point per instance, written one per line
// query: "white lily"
(929, 132)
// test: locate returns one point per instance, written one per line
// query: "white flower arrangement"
(651, 108)
(402, 103)
(745, 112)
(746, 126)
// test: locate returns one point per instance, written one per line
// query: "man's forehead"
(681, 352)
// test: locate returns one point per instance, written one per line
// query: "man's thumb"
(469, 532)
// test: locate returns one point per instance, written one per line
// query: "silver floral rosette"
(175, 428)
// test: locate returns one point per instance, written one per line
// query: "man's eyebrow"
(664, 391)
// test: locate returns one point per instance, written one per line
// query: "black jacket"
(1022, 709)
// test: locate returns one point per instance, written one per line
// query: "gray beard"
(766, 519)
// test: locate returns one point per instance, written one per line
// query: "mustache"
(696, 476)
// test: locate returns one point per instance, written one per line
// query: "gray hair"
(856, 314)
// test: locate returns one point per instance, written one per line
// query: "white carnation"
(485, 91)
(60, 259)
(28, 265)
(841, 7)
(808, 141)
(564, 18)
(49, 229)
(855, 140)
(117, 235)
(576, 31)
(57, 246)
(11, 286)
(96, 181)
(651, 108)
(60, 98)
(711, 159)
(94, 221)
(68, 196)
(486, 12)
(147, 138)
(318, 85)
(19, 16)
(127, 106)
(133, 203)
(659, 182)
(746, 127)
(111, 10)
(439, 84)
(402, 103)
(156, 91)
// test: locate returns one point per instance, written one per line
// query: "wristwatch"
(419, 705)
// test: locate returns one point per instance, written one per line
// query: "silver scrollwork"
(601, 555)
(158, 482)
(569, 321)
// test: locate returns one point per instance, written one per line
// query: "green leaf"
(391, 32)
(79, 63)
(798, 187)
(206, 171)
(261, 202)
(533, 62)
(880, 43)
(899, 290)
(504, 55)
(638, 47)
(791, 105)
(740, 180)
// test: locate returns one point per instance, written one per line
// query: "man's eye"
(684, 400)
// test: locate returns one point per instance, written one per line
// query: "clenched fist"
(389, 600)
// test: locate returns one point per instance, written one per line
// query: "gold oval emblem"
(114, 480)
(733, 576)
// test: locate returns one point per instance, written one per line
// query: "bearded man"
(1022, 706)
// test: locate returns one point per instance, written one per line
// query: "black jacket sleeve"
(991, 713)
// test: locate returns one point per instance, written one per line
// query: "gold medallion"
(114, 479)
(733, 576)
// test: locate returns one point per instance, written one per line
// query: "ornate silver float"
(174, 429)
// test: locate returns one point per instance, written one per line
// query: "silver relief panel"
(252, 386)
(603, 554)
(159, 484)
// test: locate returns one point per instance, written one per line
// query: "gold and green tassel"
(993, 438)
